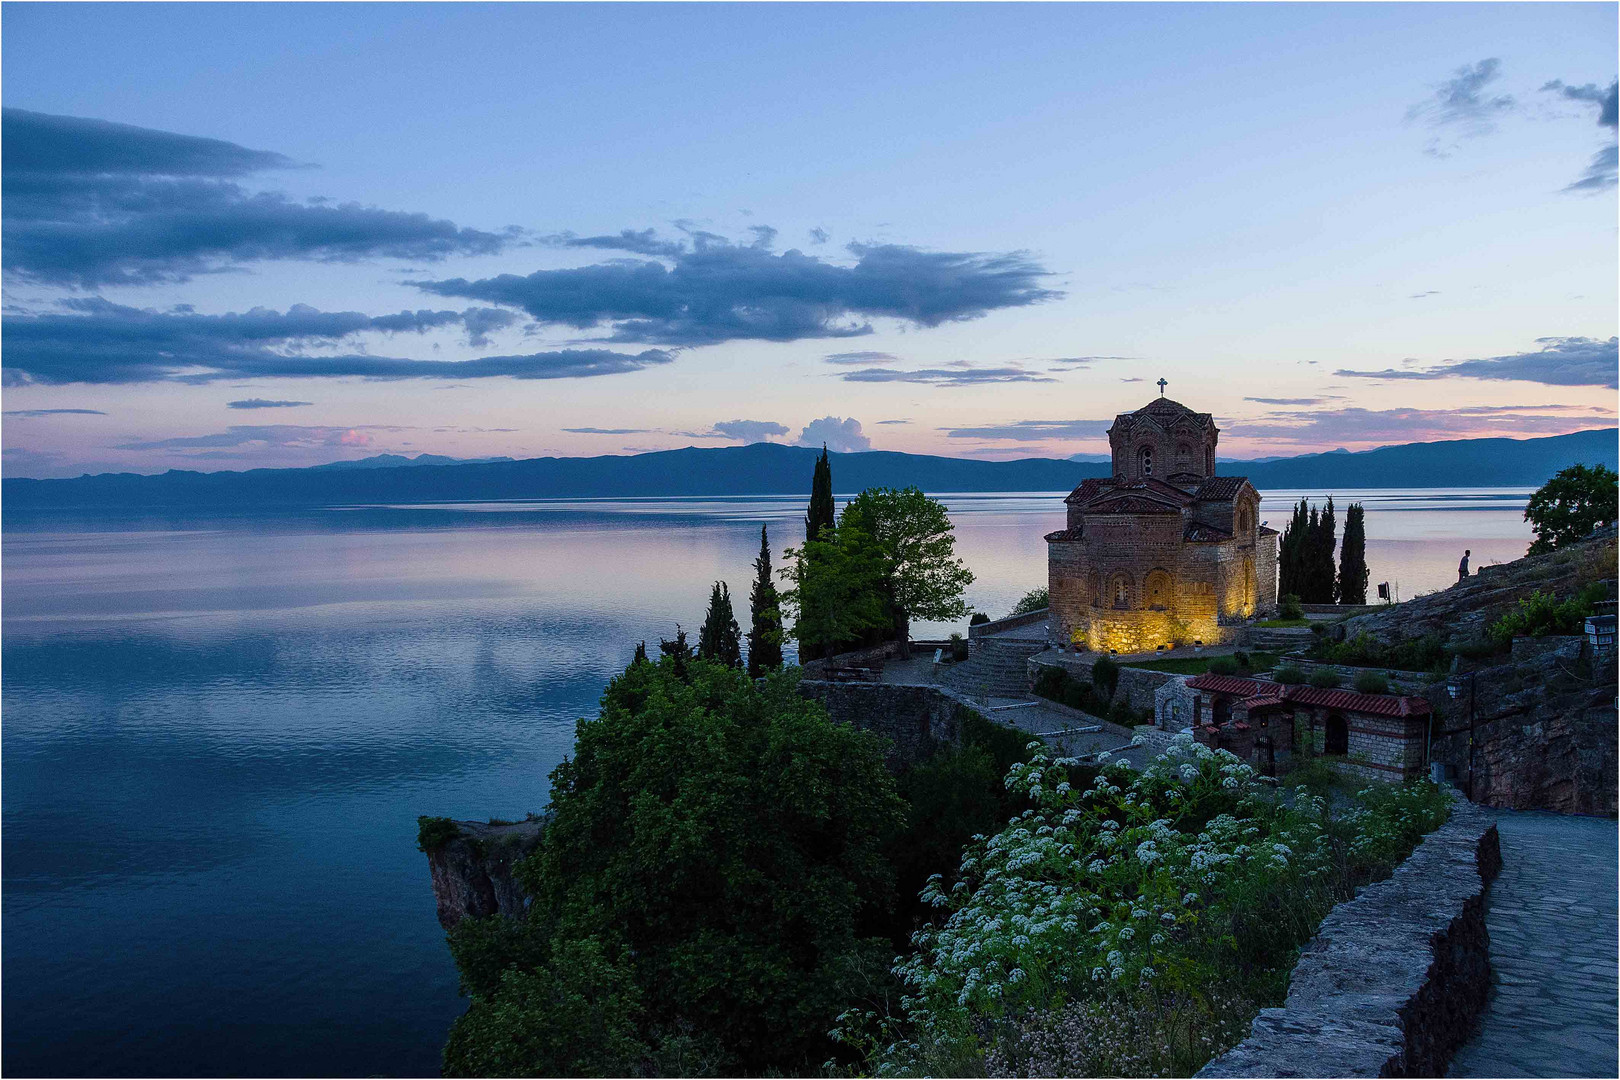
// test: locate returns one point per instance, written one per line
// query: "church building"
(1164, 552)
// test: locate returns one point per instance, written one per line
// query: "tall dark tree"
(1290, 554)
(679, 652)
(1324, 538)
(820, 515)
(641, 653)
(765, 615)
(720, 640)
(1353, 557)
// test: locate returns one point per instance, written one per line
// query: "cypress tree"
(765, 615)
(1310, 562)
(1290, 554)
(820, 515)
(641, 653)
(719, 640)
(1353, 557)
(1326, 540)
(679, 651)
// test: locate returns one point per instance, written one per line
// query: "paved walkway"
(1554, 925)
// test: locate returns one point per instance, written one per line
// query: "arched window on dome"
(1144, 461)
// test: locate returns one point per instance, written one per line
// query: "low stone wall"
(1009, 623)
(859, 658)
(1394, 980)
(1400, 682)
(917, 719)
(1137, 686)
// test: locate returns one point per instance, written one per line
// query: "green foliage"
(575, 1016)
(1353, 557)
(978, 618)
(1122, 714)
(836, 591)
(1034, 600)
(640, 656)
(1198, 665)
(765, 615)
(1223, 665)
(820, 514)
(1056, 684)
(727, 840)
(678, 652)
(432, 833)
(1542, 613)
(1571, 505)
(1305, 555)
(1134, 892)
(1284, 624)
(959, 647)
(1289, 607)
(1288, 675)
(720, 640)
(915, 544)
(1369, 681)
(1326, 679)
(1105, 676)
(1423, 653)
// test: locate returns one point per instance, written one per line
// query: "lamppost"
(1454, 687)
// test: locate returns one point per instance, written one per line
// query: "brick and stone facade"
(1378, 736)
(1163, 552)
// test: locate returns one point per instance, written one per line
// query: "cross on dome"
(1162, 385)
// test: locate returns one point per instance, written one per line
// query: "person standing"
(1462, 567)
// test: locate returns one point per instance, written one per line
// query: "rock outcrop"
(1542, 719)
(474, 869)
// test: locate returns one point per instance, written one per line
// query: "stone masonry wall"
(918, 719)
(1137, 686)
(1393, 981)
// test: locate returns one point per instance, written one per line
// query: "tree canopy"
(708, 884)
(1570, 505)
(836, 592)
(913, 537)
(719, 639)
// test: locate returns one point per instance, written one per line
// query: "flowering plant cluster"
(1165, 884)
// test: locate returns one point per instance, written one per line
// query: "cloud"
(1561, 361)
(480, 322)
(717, 291)
(1607, 101)
(1291, 400)
(1133, 379)
(1084, 361)
(265, 403)
(1034, 430)
(894, 421)
(1424, 295)
(1601, 175)
(1462, 101)
(645, 242)
(836, 433)
(753, 431)
(608, 430)
(291, 435)
(819, 235)
(1356, 425)
(89, 202)
(960, 373)
(858, 357)
(53, 412)
(102, 342)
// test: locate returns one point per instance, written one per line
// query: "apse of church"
(1164, 552)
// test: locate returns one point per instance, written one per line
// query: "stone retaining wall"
(1010, 622)
(917, 719)
(1393, 981)
(1137, 686)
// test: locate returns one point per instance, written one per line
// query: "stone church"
(1163, 552)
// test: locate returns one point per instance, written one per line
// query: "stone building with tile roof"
(1164, 551)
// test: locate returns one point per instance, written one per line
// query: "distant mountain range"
(771, 469)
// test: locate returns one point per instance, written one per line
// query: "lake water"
(218, 734)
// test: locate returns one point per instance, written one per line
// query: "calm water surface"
(219, 732)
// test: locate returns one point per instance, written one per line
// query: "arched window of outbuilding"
(1121, 591)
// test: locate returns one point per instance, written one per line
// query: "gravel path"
(1552, 916)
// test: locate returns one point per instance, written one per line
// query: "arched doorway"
(1156, 590)
(1337, 736)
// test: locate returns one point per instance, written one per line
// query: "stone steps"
(995, 668)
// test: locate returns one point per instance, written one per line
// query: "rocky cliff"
(1543, 718)
(473, 866)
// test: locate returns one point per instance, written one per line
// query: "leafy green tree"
(720, 640)
(820, 514)
(765, 615)
(726, 840)
(916, 545)
(1572, 504)
(837, 590)
(1353, 557)
(1034, 600)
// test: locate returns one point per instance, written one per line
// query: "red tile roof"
(1197, 532)
(1220, 487)
(1270, 693)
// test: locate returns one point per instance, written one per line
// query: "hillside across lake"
(772, 469)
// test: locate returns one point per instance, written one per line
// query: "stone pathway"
(1554, 925)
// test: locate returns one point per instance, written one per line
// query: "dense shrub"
(1542, 613)
(1425, 653)
(432, 833)
(714, 871)
(1130, 899)
(1056, 684)
(1326, 679)
(1223, 665)
(1371, 682)
(959, 647)
(1034, 600)
(978, 618)
(1288, 675)
(1289, 608)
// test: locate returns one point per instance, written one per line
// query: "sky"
(241, 236)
